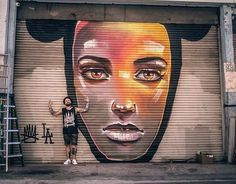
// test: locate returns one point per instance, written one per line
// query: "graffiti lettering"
(30, 134)
(47, 135)
(44, 128)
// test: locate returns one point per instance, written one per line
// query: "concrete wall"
(133, 13)
(148, 2)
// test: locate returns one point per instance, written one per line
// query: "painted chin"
(118, 140)
(122, 133)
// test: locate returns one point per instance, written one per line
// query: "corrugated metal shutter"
(195, 123)
(196, 119)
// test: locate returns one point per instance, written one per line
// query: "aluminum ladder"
(10, 143)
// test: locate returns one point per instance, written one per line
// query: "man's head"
(67, 101)
(124, 69)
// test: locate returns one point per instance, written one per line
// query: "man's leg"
(73, 151)
(67, 148)
(74, 139)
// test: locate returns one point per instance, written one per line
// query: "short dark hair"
(66, 98)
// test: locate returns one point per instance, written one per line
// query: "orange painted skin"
(122, 65)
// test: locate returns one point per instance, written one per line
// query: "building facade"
(159, 76)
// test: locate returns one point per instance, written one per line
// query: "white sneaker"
(74, 162)
(68, 161)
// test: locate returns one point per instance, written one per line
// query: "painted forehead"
(90, 34)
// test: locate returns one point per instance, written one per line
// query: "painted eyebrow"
(95, 58)
(149, 59)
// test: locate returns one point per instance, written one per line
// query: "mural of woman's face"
(124, 69)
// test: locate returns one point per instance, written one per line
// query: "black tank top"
(70, 125)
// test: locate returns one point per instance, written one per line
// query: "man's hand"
(87, 99)
(86, 107)
(54, 113)
(50, 106)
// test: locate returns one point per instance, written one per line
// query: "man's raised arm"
(86, 107)
(54, 113)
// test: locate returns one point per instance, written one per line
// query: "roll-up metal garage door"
(153, 89)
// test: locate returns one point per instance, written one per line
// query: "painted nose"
(129, 107)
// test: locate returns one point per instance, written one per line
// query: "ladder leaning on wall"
(9, 131)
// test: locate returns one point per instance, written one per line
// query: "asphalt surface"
(121, 173)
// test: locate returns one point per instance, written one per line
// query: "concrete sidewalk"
(114, 173)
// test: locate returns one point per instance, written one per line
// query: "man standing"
(70, 127)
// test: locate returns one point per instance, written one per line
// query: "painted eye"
(96, 74)
(148, 75)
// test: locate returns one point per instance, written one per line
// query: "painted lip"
(123, 132)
